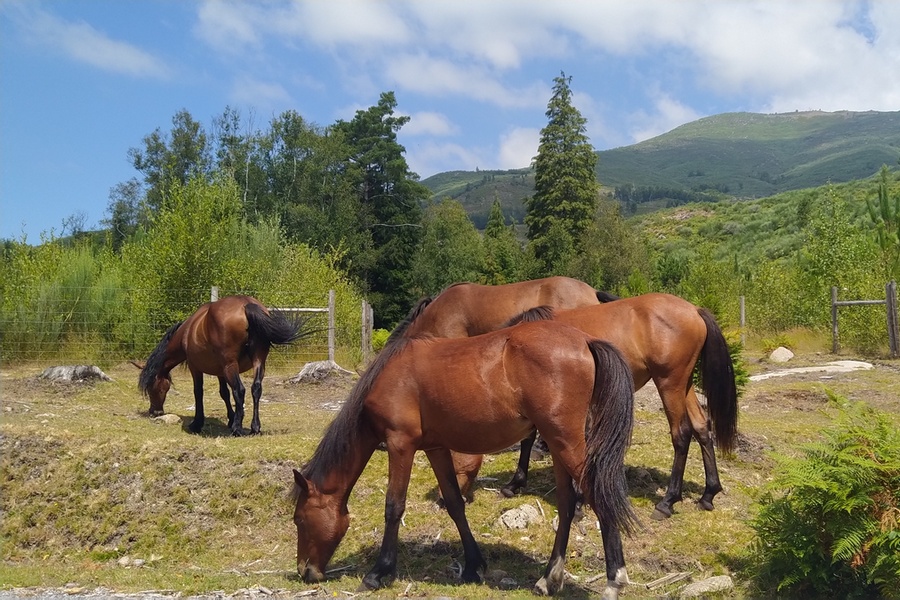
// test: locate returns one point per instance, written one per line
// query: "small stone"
(507, 583)
(169, 419)
(781, 355)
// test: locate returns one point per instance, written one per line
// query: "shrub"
(379, 339)
(827, 525)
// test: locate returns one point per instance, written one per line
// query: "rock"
(507, 583)
(697, 589)
(520, 518)
(74, 373)
(781, 355)
(169, 419)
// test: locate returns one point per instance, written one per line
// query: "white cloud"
(82, 43)
(227, 26)
(668, 114)
(517, 148)
(429, 123)
(427, 158)
(259, 94)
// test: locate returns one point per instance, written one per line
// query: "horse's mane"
(605, 297)
(538, 313)
(400, 330)
(155, 361)
(343, 432)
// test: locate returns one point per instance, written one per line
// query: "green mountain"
(737, 155)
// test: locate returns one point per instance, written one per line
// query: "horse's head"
(156, 392)
(321, 520)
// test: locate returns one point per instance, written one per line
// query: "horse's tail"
(607, 436)
(272, 328)
(538, 313)
(154, 363)
(718, 384)
(605, 297)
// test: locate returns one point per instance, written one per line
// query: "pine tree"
(566, 187)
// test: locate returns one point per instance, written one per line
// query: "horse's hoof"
(546, 588)
(472, 577)
(508, 491)
(237, 433)
(660, 515)
(705, 504)
(195, 428)
(370, 582)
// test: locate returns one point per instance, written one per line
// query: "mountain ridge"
(731, 155)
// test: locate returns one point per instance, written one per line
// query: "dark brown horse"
(662, 337)
(224, 339)
(479, 395)
(467, 309)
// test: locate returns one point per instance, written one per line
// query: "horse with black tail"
(662, 337)
(420, 394)
(223, 338)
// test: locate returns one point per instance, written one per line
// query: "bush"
(379, 339)
(827, 525)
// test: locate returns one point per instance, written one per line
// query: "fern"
(829, 523)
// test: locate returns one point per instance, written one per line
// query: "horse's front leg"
(400, 460)
(225, 394)
(442, 465)
(554, 575)
(199, 418)
(256, 393)
(520, 477)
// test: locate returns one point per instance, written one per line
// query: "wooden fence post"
(366, 331)
(891, 301)
(214, 293)
(331, 325)
(835, 345)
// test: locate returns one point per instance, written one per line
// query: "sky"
(83, 81)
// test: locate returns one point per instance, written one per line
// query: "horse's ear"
(302, 484)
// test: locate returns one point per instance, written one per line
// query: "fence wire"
(86, 325)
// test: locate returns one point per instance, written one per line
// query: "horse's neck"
(340, 480)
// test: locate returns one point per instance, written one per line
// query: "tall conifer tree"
(565, 182)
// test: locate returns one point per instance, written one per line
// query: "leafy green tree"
(170, 159)
(565, 182)
(391, 198)
(451, 249)
(125, 211)
(885, 214)
(503, 254)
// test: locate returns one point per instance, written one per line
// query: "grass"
(90, 485)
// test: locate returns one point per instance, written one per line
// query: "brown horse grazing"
(418, 395)
(467, 309)
(662, 337)
(223, 338)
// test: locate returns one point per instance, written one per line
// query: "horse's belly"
(474, 436)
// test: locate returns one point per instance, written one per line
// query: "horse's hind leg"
(700, 426)
(520, 477)
(680, 429)
(554, 575)
(442, 465)
(233, 377)
(199, 417)
(225, 393)
(256, 393)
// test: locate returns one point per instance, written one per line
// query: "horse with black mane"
(476, 395)
(222, 338)
(662, 337)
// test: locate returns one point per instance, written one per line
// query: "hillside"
(743, 155)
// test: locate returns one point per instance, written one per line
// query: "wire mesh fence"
(104, 326)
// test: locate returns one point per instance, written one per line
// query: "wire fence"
(110, 325)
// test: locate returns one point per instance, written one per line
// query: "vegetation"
(829, 523)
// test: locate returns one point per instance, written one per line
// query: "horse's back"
(484, 393)
(651, 330)
(216, 334)
(468, 309)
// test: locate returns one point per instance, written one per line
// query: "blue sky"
(82, 81)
